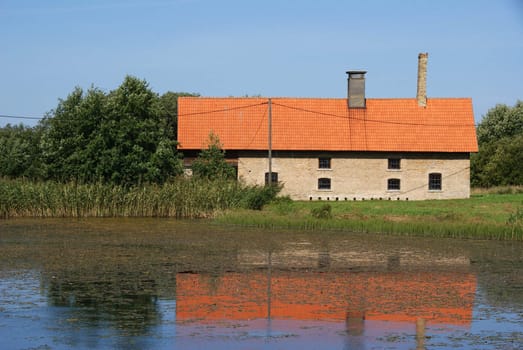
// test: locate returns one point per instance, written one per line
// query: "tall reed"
(181, 198)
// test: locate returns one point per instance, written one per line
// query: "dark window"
(274, 178)
(435, 181)
(393, 184)
(324, 163)
(394, 163)
(324, 183)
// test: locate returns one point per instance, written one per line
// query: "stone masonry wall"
(361, 175)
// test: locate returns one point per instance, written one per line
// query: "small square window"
(274, 178)
(394, 163)
(324, 183)
(435, 182)
(324, 163)
(393, 184)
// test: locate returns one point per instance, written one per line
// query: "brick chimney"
(356, 89)
(421, 95)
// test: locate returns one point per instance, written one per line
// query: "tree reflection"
(125, 302)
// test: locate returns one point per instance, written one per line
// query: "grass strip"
(483, 216)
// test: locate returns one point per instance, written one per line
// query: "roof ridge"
(316, 98)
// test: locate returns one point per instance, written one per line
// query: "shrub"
(323, 212)
(211, 163)
(283, 205)
(257, 196)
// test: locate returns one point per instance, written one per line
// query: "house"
(356, 148)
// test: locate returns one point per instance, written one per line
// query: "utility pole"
(270, 142)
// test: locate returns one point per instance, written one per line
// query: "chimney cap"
(351, 72)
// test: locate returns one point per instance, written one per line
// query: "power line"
(179, 115)
(328, 115)
(259, 127)
(223, 110)
(19, 117)
(289, 107)
(425, 185)
(366, 119)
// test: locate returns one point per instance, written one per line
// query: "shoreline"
(485, 216)
(495, 214)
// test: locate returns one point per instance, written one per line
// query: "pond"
(167, 284)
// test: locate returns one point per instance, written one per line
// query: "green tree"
(139, 144)
(500, 138)
(71, 132)
(169, 105)
(499, 163)
(211, 163)
(478, 162)
(500, 122)
(20, 154)
(122, 137)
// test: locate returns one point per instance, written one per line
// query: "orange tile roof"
(445, 125)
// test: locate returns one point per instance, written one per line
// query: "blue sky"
(274, 48)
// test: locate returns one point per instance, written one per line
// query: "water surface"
(164, 284)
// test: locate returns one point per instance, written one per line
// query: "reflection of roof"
(445, 125)
(438, 297)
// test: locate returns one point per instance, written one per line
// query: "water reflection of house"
(306, 281)
(437, 297)
(305, 254)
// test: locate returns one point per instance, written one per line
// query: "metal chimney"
(356, 88)
(421, 95)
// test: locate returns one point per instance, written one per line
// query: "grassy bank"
(492, 214)
(483, 216)
(182, 198)
(497, 190)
